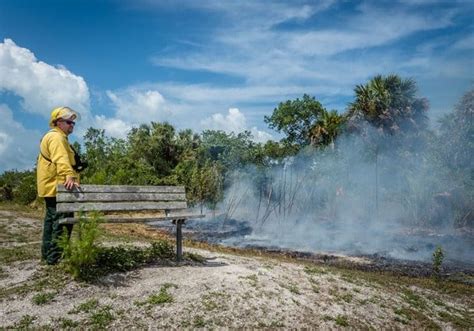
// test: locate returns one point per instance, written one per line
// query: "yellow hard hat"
(64, 113)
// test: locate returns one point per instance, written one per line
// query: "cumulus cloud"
(113, 126)
(18, 146)
(233, 121)
(134, 105)
(40, 86)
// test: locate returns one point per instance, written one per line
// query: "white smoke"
(353, 199)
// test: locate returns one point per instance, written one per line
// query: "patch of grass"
(311, 270)
(334, 291)
(47, 278)
(3, 273)
(43, 298)
(413, 299)
(413, 315)
(293, 288)
(66, 323)
(341, 320)
(214, 300)
(252, 278)
(347, 297)
(25, 322)
(462, 321)
(199, 322)
(158, 299)
(363, 302)
(19, 253)
(86, 306)
(102, 317)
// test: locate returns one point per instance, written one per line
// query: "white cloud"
(18, 146)
(135, 105)
(466, 43)
(113, 127)
(40, 86)
(233, 121)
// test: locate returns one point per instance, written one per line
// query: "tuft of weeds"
(413, 299)
(158, 299)
(66, 323)
(410, 314)
(86, 306)
(25, 322)
(462, 321)
(213, 300)
(43, 298)
(47, 278)
(293, 288)
(347, 297)
(341, 320)
(199, 322)
(314, 270)
(102, 317)
(19, 253)
(252, 278)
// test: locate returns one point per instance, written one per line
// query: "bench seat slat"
(102, 197)
(72, 220)
(118, 206)
(124, 189)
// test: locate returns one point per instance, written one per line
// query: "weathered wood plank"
(90, 197)
(115, 206)
(124, 189)
(115, 219)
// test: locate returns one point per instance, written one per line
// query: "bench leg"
(179, 240)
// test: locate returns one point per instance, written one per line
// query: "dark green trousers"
(50, 251)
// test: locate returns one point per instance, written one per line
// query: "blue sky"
(215, 64)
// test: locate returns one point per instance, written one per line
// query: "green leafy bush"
(438, 257)
(86, 260)
(81, 251)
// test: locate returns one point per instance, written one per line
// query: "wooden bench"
(158, 202)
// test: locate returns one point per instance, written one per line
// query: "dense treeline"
(386, 115)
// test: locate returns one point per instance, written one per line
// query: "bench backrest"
(121, 198)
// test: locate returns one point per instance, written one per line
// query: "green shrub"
(43, 298)
(86, 260)
(26, 191)
(80, 252)
(438, 257)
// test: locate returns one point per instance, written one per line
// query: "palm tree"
(389, 104)
(326, 129)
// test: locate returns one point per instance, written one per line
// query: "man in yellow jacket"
(56, 165)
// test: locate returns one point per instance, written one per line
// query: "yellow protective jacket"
(55, 147)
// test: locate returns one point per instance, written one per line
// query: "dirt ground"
(225, 290)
